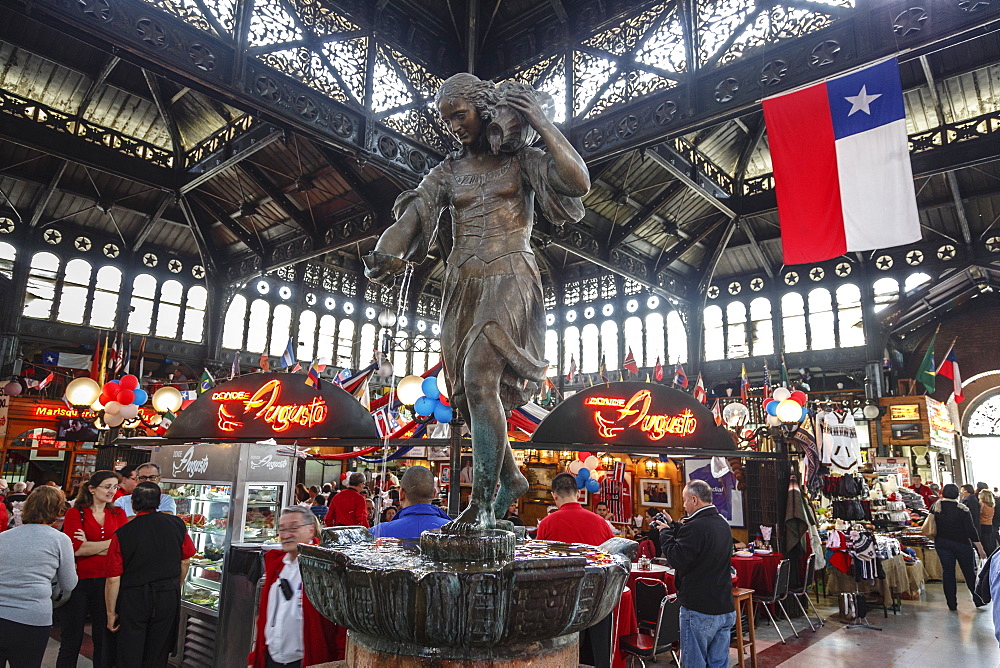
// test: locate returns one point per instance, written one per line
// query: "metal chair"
(655, 612)
(803, 591)
(779, 594)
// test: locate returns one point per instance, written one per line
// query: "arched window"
(655, 341)
(632, 330)
(326, 343)
(434, 356)
(763, 331)
(194, 314)
(571, 345)
(141, 305)
(399, 354)
(609, 343)
(281, 327)
(714, 342)
(307, 334)
(168, 314)
(677, 339)
(821, 319)
(257, 325)
(886, 293)
(589, 341)
(793, 322)
(75, 289)
(8, 254)
(915, 280)
(418, 360)
(232, 331)
(852, 332)
(345, 343)
(41, 285)
(736, 323)
(367, 349)
(106, 289)
(552, 352)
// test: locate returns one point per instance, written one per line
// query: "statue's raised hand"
(527, 103)
(382, 267)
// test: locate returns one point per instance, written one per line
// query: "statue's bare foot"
(510, 491)
(474, 519)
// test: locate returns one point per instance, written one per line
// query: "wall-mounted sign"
(938, 416)
(632, 415)
(4, 408)
(904, 412)
(893, 466)
(273, 405)
(907, 431)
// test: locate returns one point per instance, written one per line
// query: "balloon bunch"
(786, 407)
(121, 400)
(583, 468)
(434, 402)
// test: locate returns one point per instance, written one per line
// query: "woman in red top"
(290, 631)
(90, 524)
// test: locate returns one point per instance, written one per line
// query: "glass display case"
(83, 466)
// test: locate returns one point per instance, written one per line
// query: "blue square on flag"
(50, 358)
(866, 100)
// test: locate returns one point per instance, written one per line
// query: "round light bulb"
(387, 318)
(83, 392)
(734, 414)
(871, 411)
(409, 390)
(167, 399)
(789, 411)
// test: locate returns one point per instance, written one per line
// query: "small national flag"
(360, 379)
(658, 370)
(288, 359)
(744, 385)
(717, 412)
(572, 369)
(850, 187)
(206, 382)
(604, 371)
(385, 423)
(699, 392)
(113, 366)
(265, 363)
(767, 384)
(342, 377)
(127, 356)
(95, 363)
(45, 381)
(165, 422)
(630, 363)
(66, 360)
(784, 372)
(235, 370)
(296, 368)
(949, 369)
(312, 376)
(680, 378)
(928, 369)
(142, 355)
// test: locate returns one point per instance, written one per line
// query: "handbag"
(929, 527)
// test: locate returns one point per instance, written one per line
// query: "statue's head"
(467, 104)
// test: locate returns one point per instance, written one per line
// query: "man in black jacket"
(700, 549)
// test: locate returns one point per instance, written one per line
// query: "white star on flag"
(861, 101)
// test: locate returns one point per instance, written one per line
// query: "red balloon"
(582, 456)
(129, 382)
(125, 397)
(799, 397)
(107, 398)
(110, 389)
(343, 476)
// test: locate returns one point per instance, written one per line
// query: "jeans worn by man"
(700, 548)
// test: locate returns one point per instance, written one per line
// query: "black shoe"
(953, 608)
(979, 602)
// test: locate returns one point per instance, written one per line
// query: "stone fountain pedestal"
(478, 600)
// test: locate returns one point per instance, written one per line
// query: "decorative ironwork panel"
(631, 287)
(664, 48)
(571, 293)
(548, 299)
(272, 23)
(313, 275)
(609, 289)
(309, 68)
(591, 73)
(222, 13)
(985, 420)
(622, 38)
(590, 289)
(771, 26)
(397, 151)
(416, 124)
(319, 18)
(350, 58)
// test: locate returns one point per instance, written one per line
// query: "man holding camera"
(699, 548)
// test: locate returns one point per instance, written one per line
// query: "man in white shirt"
(148, 472)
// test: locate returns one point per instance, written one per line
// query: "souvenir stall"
(229, 461)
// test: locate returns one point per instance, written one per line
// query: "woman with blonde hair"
(987, 508)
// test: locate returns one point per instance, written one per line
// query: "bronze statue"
(492, 326)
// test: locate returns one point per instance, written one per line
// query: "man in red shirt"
(923, 490)
(572, 523)
(348, 507)
(127, 482)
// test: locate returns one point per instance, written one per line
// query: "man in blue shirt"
(416, 489)
(148, 472)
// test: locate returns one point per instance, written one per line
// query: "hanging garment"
(841, 449)
(807, 442)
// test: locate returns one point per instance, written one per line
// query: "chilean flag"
(949, 369)
(841, 162)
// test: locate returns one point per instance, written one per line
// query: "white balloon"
(408, 390)
(112, 408)
(591, 462)
(781, 393)
(113, 420)
(773, 421)
(129, 412)
(575, 466)
(443, 384)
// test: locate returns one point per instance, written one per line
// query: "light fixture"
(653, 302)
(409, 389)
(571, 316)
(651, 468)
(607, 461)
(386, 318)
(632, 306)
(871, 412)
(608, 310)
(167, 399)
(566, 454)
(263, 287)
(736, 414)
(82, 392)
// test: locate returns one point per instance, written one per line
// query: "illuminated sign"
(265, 404)
(904, 412)
(44, 411)
(634, 412)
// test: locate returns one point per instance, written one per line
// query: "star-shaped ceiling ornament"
(198, 271)
(756, 284)
(82, 244)
(149, 260)
(713, 292)
(816, 274)
(734, 288)
(111, 250)
(884, 262)
(993, 244)
(52, 236)
(311, 299)
(862, 101)
(914, 257)
(6, 225)
(175, 266)
(843, 269)
(946, 252)
(791, 278)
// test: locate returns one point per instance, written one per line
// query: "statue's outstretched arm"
(386, 262)
(569, 167)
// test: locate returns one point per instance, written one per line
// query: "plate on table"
(762, 551)
(744, 553)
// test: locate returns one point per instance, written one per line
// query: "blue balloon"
(772, 408)
(116, 382)
(430, 387)
(593, 486)
(581, 482)
(443, 414)
(805, 414)
(424, 406)
(583, 474)
(141, 396)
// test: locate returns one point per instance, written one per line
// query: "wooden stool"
(741, 597)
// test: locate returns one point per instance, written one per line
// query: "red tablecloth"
(655, 572)
(757, 572)
(625, 624)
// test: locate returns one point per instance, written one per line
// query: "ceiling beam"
(168, 119)
(199, 230)
(746, 153)
(560, 11)
(755, 248)
(667, 159)
(231, 154)
(712, 262)
(96, 84)
(264, 182)
(226, 220)
(38, 206)
(341, 164)
(675, 252)
(153, 219)
(655, 203)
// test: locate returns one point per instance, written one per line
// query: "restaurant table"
(655, 572)
(624, 624)
(757, 572)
